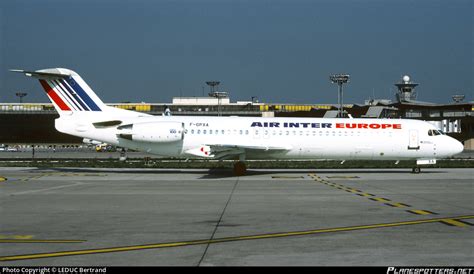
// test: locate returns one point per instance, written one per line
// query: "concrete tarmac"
(172, 217)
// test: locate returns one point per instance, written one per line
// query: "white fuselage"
(297, 138)
(83, 114)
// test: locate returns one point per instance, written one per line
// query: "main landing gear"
(240, 168)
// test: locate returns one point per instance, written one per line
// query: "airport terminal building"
(28, 123)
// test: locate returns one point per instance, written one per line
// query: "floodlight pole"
(21, 95)
(214, 85)
(341, 95)
(340, 79)
(219, 95)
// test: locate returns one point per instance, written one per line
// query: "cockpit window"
(434, 132)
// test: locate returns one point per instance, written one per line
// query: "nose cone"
(448, 146)
(458, 147)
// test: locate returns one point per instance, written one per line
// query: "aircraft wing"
(222, 151)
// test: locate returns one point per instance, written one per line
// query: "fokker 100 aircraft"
(83, 114)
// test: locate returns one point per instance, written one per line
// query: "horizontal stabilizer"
(43, 73)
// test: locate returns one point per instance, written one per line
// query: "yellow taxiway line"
(33, 241)
(229, 239)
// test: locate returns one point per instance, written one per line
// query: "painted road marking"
(452, 222)
(287, 177)
(60, 174)
(421, 212)
(34, 241)
(224, 240)
(353, 190)
(343, 177)
(65, 174)
(15, 237)
(31, 178)
(400, 205)
(383, 200)
(366, 194)
(48, 189)
(6, 238)
(372, 197)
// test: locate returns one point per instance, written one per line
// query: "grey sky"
(280, 51)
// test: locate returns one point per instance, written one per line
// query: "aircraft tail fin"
(67, 90)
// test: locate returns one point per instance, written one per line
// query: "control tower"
(406, 90)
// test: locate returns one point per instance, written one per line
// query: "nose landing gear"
(417, 169)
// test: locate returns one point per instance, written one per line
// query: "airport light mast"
(219, 95)
(340, 79)
(21, 95)
(458, 98)
(216, 94)
(213, 85)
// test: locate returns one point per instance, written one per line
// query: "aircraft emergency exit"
(83, 114)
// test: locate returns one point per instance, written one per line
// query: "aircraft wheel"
(240, 168)
(416, 170)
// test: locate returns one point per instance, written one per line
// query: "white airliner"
(83, 114)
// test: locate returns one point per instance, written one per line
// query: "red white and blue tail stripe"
(68, 95)
(66, 90)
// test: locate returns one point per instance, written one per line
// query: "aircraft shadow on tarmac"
(227, 173)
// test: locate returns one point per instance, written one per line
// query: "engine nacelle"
(152, 132)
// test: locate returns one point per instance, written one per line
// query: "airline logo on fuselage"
(327, 125)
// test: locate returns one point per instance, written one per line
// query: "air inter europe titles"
(327, 125)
